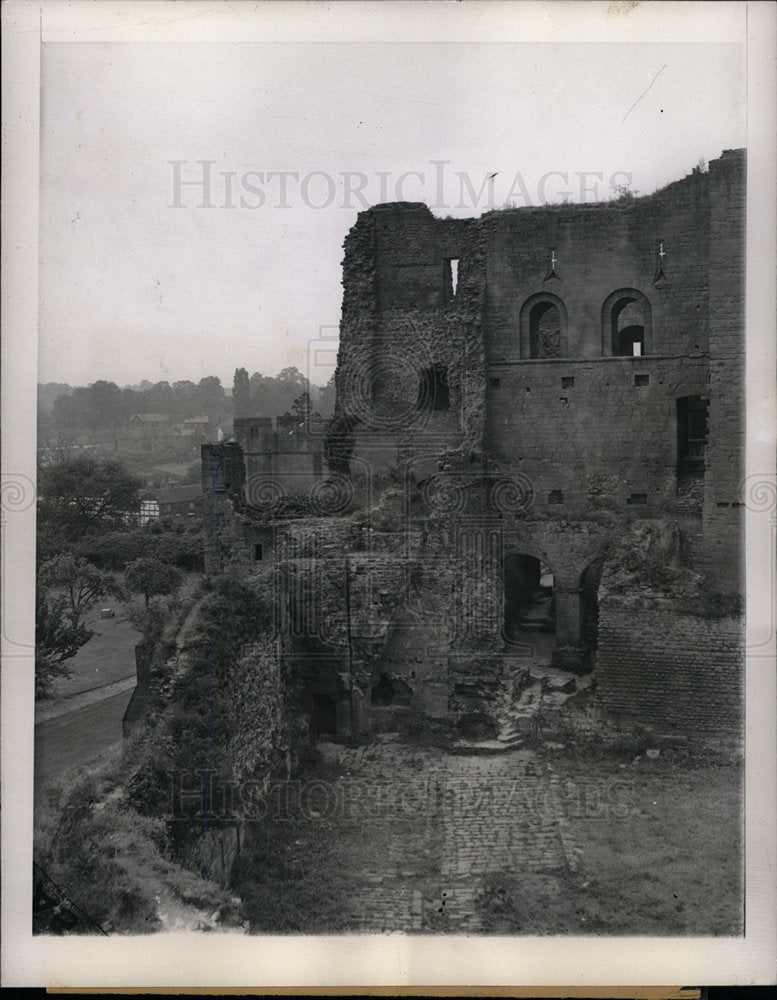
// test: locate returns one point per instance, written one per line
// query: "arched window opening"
(450, 278)
(626, 324)
(543, 327)
(433, 390)
(545, 331)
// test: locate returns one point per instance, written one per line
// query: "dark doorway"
(390, 692)
(691, 432)
(530, 606)
(326, 714)
(589, 604)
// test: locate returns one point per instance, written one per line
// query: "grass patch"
(660, 853)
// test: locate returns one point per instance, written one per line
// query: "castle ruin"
(535, 463)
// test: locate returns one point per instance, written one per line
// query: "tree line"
(105, 406)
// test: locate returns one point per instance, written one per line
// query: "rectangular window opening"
(494, 383)
(641, 380)
(567, 382)
(637, 498)
(258, 552)
(451, 277)
(555, 497)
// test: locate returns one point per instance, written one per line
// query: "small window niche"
(637, 499)
(568, 382)
(555, 497)
(433, 391)
(450, 277)
(258, 552)
(494, 383)
(641, 380)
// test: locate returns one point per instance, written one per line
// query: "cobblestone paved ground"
(438, 824)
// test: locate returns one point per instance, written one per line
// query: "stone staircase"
(531, 688)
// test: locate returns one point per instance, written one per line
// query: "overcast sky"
(133, 287)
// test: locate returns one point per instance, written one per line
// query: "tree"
(83, 494)
(241, 393)
(80, 584)
(325, 401)
(57, 639)
(152, 578)
(210, 396)
(301, 407)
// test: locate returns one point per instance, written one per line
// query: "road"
(77, 738)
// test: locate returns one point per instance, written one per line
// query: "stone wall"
(550, 457)
(600, 248)
(569, 425)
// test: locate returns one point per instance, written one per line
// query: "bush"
(110, 860)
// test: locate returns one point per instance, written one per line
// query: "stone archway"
(529, 604)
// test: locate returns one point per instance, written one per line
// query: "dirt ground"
(393, 837)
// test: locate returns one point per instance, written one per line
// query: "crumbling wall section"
(400, 319)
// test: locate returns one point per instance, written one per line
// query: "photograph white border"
(194, 961)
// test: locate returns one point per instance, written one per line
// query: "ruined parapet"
(410, 374)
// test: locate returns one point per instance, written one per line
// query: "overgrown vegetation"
(116, 864)
(644, 563)
(87, 536)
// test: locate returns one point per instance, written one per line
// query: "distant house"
(200, 423)
(151, 434)
(149, 420)
(173, 501)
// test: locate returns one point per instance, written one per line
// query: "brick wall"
(677, 673)
(723, 506)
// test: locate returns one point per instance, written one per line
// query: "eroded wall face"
(403, 317)
(724, 499)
